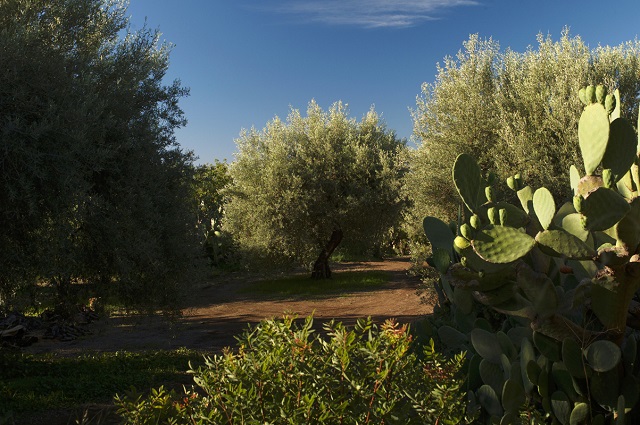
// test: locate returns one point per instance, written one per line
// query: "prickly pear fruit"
(466, 231)
(583, 96)
(608, 178)
(503, 216)
(488, 191)
(591, 94)
(474, 220)
(601, 93)
(491, 178)
(578, 203)
(610, 103)
(494, 218)
(461, 243)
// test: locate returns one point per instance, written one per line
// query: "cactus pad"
(560, 243)
(602, 355)
(603, 208)
(621, 149)
(438, 233)
(544, 206)
(500, 244)
(593, 135)
(468, 182)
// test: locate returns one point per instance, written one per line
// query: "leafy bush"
(284, 373)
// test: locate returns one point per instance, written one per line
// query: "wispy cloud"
(370, 13)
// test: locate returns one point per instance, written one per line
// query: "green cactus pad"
(574, 178)
(506, 345)
(516, 306)
(615, 114)
(534, 372)
(438, 233)
(501, 244)
(572, 223)
(546, 300)
(572, 359)
(489, 400)
(621, 149)
(527, 354)
(560, 243)
(486, 344)
(548, 346)
(629, 353)
(452, 338)
(605, 387)
(468, 181)
(544, 206)
(628, 229)
(492, 374)
(463, 299)
(441, 259)
(561, 407)
(513, 396)
(582, 95)
(630, 388)
(495, 297)
(603, 355)
(593, 135)
(579, 414)
(525, 195)
(603, 208)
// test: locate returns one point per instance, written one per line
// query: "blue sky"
(248, 61)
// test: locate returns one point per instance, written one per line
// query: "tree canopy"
(93, 186)
(515, 112)
(296, 182)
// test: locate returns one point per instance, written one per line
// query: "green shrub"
(284, 373)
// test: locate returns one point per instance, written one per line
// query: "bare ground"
(219, 311)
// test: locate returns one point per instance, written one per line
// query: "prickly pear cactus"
(565, 278)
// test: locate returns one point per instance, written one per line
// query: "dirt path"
(220, 311)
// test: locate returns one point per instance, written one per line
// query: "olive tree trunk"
(321, 268)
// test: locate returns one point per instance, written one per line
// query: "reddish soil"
(219, 311)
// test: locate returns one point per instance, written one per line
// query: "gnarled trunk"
(321, 268)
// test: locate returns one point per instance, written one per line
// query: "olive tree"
(93, 185)
(301, 186)
(516, 112)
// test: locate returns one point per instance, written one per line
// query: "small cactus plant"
(564, 278)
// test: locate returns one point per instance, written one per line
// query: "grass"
(303, 285)
(32, 383)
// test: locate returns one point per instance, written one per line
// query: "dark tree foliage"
(93, 186)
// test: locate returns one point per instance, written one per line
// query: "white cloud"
(370, 13)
